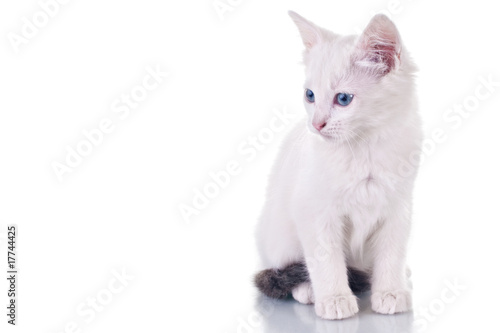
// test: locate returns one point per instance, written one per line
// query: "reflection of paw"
(389, 302)
(337, 307)
(303, 293)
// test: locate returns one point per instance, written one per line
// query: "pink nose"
(319, 126)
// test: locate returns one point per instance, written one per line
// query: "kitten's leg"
(303, 293)
(278, 243)
(390, 288)
(324, 256)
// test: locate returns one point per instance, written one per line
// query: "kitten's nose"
(319, 126)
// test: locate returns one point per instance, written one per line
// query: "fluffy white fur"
(337, 197)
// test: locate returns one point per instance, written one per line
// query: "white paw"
(337, 307)
(303, 293)
(390, 302)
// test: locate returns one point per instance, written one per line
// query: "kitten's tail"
(278, 283)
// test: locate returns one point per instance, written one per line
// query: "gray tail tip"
(268, 282)
(278, 283)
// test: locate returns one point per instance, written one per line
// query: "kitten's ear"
(311, 34)
(380, 45)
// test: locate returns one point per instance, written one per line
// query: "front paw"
(303, 293)
(337, 307)
(390, 302)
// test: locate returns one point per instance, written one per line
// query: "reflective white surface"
(291, 316)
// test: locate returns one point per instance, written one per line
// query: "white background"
(119, 209)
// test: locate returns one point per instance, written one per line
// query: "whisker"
(357, 135)
(352, 151)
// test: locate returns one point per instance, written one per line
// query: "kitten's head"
(355, 85)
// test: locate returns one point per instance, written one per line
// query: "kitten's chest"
(355, 178)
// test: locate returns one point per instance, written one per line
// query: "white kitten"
(339, 207)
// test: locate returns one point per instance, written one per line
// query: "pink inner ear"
(383, 52)
(381, 45)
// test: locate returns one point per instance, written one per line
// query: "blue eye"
(309, 96)
(343, 99)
